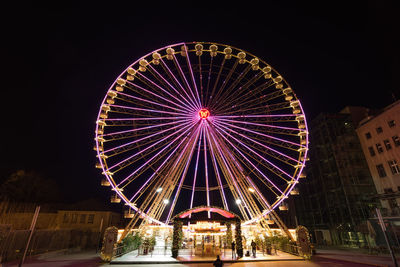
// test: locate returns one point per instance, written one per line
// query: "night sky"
(58, 63)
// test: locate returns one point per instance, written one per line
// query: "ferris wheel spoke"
(202, 100)
(157, 96)
(191, 104)
(176, 80)
(236, 93)
(218, 77)
(156, 171)
(255, 99)
(283, 141)
(261, 198)
(142, 147)
(181, 128)
(183, 77)
(257, 154)
(152, 158)
(122, 133)
(253, 141)
(206, 168)
(249, 161)
(140, 155)
(192, 76)
(146, 110)
(183, 175)
(155, 86)
(206, 98)
(196, 168)
(141, 101)
(261, 124)
(228, 91)
(230, 176)
(221, 189)
(228, 77)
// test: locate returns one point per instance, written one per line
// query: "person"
(233, 250)
(218, 262)
(253, 248)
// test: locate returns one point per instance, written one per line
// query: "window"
(90, 218)
(379, 130)
(381, 170)
(396, 140)
(83, 218)
(371, 151)
(74, 218)
(387, 144)
(388, 190)
(368, 135)
(379, 148)
(391, 123)
(394, 166)
(66, 218)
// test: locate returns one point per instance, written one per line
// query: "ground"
(323, 258)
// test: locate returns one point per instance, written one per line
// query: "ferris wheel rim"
(126, 200)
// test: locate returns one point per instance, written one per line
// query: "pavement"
(186, 257)
(356, 256)
(324, 257)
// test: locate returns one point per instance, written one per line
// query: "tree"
(29, 186)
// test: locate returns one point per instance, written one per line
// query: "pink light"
(204, 113)
(222, 212)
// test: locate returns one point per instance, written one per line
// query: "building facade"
(380, 139)
(337, 195)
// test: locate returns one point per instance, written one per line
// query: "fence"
(13, 243)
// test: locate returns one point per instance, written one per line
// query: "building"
(380, 140)
(337, 195)
(87, 220)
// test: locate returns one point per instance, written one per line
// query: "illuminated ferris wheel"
(201, 124)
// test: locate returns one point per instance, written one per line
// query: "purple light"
(148, 180)
(156, 95)
(191, 72)
(195, 169)
(143, 128)
(250, 162)
(193, 107)
(165, 91)
(265, 135)
(256, 142)
(182, 126)
(148, 161)
(148, 101)
(260, 124)
(217, 173)
(206, 167)
(254, 152)
(192, 100)
(186, 82)
(184, 172)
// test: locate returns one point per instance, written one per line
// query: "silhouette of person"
(253, 248)
(233, 250)
(218, 262)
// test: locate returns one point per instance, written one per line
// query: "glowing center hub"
(204, 113)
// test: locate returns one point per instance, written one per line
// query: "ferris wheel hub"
(204, 113)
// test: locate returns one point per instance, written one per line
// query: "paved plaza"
(324, 258)
(186, 257)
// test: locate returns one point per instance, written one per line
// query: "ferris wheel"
(201, 124)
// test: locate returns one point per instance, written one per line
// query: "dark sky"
(60, 61)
